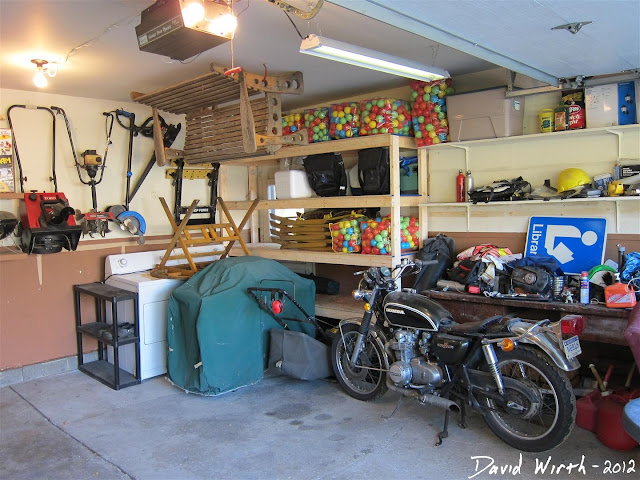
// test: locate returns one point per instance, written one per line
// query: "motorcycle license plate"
(572, 347)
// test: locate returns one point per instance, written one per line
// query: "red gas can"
(610, 430)
(587, 416)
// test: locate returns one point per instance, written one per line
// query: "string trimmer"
(93, 221)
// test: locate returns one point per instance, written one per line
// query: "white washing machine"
(131, 272)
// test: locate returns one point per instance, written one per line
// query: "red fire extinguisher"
(460, 187)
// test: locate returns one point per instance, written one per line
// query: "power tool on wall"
(48, 223)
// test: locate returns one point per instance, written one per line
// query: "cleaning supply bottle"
(619, 295)
(460, 186)
(468, 184)
(584, 288)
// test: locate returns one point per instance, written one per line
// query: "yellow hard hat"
(571, 178)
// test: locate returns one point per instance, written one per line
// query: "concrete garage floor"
(70, 426)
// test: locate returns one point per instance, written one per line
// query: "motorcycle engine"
(413, 367)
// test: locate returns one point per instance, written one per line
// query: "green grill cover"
(217, 335)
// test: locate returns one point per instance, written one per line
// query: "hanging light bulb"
(223, 25)
(39, 80)
(192, 12)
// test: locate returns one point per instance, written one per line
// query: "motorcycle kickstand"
(394, 410)
(463, 415)
(445, 431)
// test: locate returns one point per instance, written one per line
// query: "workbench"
(602, 324)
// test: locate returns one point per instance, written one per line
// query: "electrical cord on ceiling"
(88, 43)
(193, 59)
(242, 11)
(294, 25)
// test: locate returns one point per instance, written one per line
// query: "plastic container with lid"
(546, 120)
(484, 114)
(292, 184)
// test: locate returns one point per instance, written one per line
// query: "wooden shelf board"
(358, 143)
(11, 196)
(316, 257)
(528, 202)
(550, 135)
(363, 201)
(339, 307)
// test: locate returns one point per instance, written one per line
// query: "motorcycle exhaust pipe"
(439, 402)
(428, 399)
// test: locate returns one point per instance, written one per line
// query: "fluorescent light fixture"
(366, 58)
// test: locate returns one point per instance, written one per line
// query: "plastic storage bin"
(484, 114)
(385, 115)
(292, 184)
(316, 121)
(344, 121)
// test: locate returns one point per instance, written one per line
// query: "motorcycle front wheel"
(366, 380)
(540, 409)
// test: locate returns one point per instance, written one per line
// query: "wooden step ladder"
(210, 234)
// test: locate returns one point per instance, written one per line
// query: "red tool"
(48, 223)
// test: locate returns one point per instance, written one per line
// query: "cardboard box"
(613, 104)
(484, 114)
(626, 171)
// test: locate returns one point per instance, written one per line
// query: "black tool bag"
(441, 249)
(501, 190)
(466, 271)
(326, 174)
(532, 279)
(373, 171)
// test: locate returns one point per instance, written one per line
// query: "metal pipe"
(426, 398)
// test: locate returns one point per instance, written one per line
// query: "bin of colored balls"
(316, 121)
(345, 236)
(409, 234)
(344, 121)
(385, 115)
(292, 123)
(429, 111)
(376, 235)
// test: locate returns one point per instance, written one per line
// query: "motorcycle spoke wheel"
(540, 405)
(366, 380)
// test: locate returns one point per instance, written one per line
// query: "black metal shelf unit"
(107, 334)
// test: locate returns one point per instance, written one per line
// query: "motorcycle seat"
(474, 327)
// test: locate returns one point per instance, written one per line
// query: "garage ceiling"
(462, 36)
(519, 34)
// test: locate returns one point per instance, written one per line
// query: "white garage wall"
(33, 135)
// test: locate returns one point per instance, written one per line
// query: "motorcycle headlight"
(357, 294)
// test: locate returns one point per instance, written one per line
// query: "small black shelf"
(95, 330)
(106, 333)
(103, 371)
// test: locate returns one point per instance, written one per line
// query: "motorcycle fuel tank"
(411, 310)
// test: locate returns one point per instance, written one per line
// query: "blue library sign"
(576, 243)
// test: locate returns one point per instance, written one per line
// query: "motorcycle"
(508, 369)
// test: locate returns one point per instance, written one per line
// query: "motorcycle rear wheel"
(367, 380)
(532, 426)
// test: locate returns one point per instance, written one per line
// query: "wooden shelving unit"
(394, 201)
